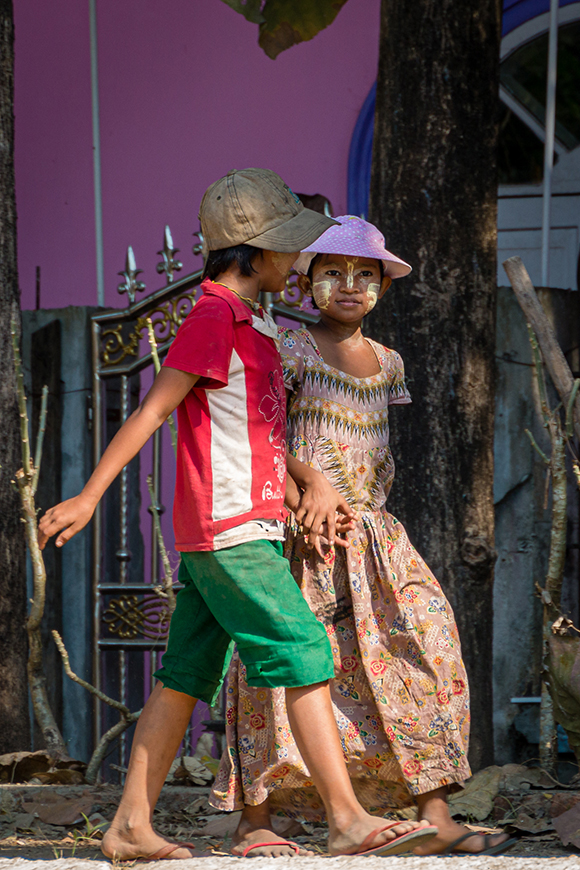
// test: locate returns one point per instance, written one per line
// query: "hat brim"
(393, 268)
(295, 234)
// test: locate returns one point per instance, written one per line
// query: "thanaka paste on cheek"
(321, 291)
(372, 296)
(281, 263)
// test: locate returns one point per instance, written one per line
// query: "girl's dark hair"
(311, 270)
(220, 261)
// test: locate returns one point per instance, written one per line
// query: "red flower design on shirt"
(273, 409)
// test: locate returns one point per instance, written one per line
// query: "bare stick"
(24, 482)
(98, 755)
(157, 364)
(71, 674)
(127, 718)
(540, 379)
(538, 449)
(535, 315)
(40, 438)
(552, 591)
(24, 430)
(168, 570)
(569, 408)
(36, 678)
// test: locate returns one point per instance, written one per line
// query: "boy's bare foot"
(255, 829)
(433, 807)
(126, 844)
(349, 840)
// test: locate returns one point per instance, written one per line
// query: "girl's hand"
(319, 504)
(71, 515)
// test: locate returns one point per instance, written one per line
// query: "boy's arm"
(169, 389)
(319, 501)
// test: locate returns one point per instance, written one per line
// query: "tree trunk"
(433, 194)
(14, 724)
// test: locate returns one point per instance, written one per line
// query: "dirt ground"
(49, 822)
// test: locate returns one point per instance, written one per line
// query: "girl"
(400, 691)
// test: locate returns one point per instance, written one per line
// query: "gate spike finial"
(169, 265)
(130, 285)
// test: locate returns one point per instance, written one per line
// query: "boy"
(223, 374)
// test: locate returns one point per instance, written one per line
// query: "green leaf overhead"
(284, 23)
(250, 9)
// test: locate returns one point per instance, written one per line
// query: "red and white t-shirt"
(231, 454)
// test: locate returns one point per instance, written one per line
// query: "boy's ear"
(385, 284)
(304, 284)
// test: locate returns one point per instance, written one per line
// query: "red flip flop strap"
(279, 843)
(365, 845)
(166, 850)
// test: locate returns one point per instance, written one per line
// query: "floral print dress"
(400, 693)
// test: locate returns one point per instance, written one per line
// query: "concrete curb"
(215, 862)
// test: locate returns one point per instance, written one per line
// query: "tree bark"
(14, 723)
(433, 194)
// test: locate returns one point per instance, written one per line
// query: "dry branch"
(26, 480)
(126, 720)
(555, 360)
(552, 592)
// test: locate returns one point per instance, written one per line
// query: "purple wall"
(186, 94)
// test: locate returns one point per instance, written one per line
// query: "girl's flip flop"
(487, 850)
(404, 843)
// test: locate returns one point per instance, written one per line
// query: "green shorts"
(244, 595)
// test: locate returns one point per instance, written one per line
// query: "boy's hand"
(71, 516)
(317, 513)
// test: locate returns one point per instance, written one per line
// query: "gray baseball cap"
(255, 207)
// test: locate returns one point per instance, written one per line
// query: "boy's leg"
(159, 732)
(194, 664)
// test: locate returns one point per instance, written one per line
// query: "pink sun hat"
(353, 237)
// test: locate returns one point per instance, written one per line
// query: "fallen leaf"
(525, 822)
(476, 799)
(59, 777)
(533, 815)
(55, 809)
(189, 769)
(568, 826)
(561, 803)
(24, 821)
(23, 766)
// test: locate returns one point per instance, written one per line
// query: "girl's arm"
(319, 501)
(169, 389)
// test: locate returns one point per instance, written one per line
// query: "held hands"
(68, 518)
(321, 510)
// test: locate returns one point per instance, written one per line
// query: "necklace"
(255, 305)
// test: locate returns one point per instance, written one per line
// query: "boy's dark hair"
(240, 255)
(311, 270)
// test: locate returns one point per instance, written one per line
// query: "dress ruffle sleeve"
(292, 355)
(398, 392)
